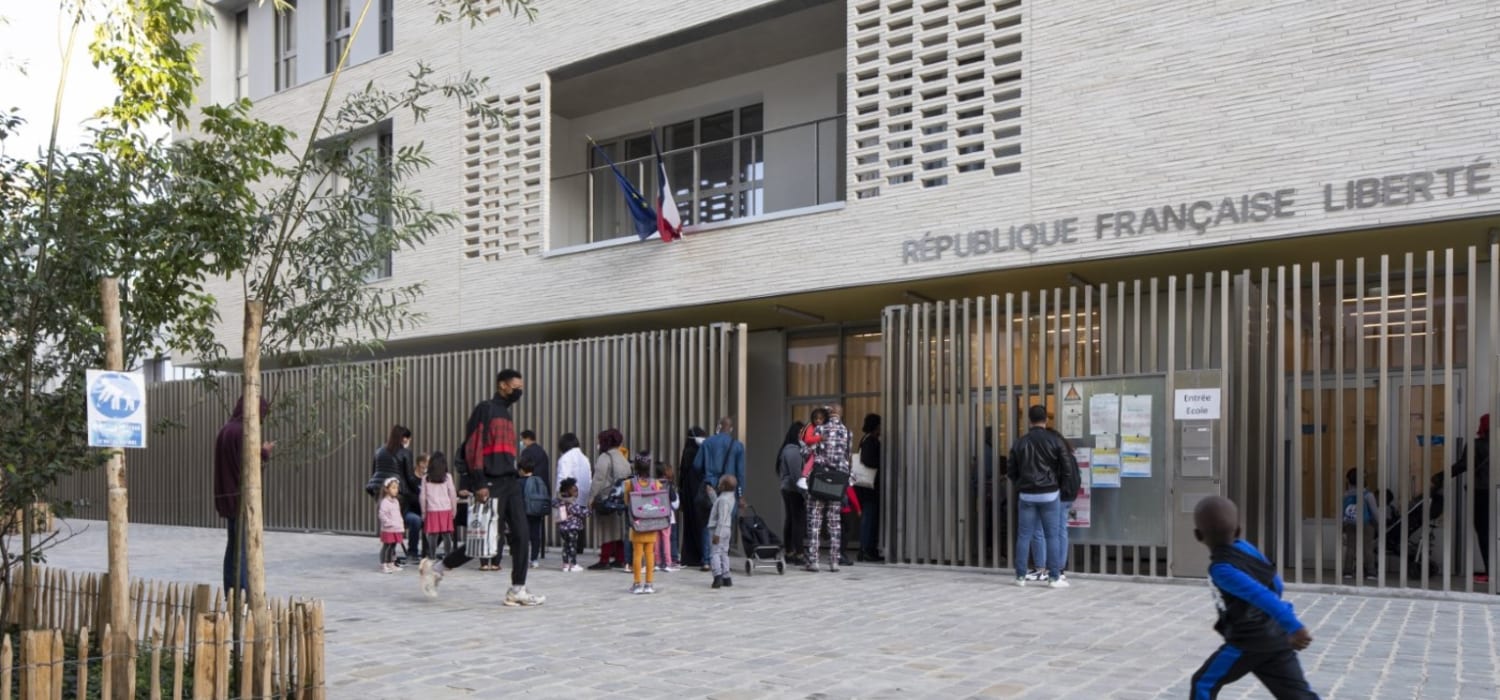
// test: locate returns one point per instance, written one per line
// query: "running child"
(1262, 634)
(392, 525)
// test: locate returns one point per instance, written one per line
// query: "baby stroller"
(762, 547)
(1426, 507)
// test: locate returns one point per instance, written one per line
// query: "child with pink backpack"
(648, 506)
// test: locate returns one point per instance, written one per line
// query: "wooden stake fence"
(180, 644)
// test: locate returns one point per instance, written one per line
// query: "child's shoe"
(637, 589)
(718, 582)
(649, 589)
(669, 568)
(387, 568)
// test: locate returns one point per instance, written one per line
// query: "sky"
(32, 37)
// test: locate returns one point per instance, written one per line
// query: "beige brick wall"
(1126, 105)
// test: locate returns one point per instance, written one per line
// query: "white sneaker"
(1058, 583)
(517, 597)
(1021, 581)
(535, 565)
(1036, 575)
(637, 589)
(648, 589)
(670, 569)
(429, 578)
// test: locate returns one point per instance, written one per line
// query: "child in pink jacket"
(439, 498)
(392, 525)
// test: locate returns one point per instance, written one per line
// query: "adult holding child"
(490, 449)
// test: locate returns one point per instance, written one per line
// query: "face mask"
(515, 396)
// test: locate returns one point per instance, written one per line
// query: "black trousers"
(505, 493)
(1278, 671)
(1482, 526)
(534, 534)
(794, 525)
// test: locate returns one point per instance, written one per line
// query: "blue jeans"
(1031, 516)
(414, 542)
(1039, 544)
(232, 542)
(676, 543)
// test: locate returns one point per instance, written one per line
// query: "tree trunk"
(118, 497)
(250, 488)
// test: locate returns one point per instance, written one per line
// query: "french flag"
(668, 220)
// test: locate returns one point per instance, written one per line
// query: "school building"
(1235, 248)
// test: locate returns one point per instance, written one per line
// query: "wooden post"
(36, 664)
(221, 657)
(6, 668)
(59, 659)
(247, 661)
(156, 664)
(126, 648)
(118, 498)
(179, 638)
(83, 663)
(203, 657)
(250, 482)
(106, 676)
(315, 651)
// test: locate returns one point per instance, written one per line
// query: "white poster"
(1135, 455)
(1080, 514)
(1104, 414)
(1135, 415)
(1070, 419)
(1105, 472)
(116, 408)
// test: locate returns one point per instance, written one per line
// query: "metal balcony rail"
(765, 172)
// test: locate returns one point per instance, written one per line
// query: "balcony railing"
(750, 175)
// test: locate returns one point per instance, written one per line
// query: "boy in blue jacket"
(1262, 634)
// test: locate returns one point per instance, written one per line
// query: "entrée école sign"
(1199, 216)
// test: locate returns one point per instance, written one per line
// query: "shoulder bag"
(864, 476)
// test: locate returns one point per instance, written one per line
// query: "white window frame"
(242, 54)
(338, 30)
(285, 49)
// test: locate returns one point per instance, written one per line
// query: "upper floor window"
(387, 26)
(340, 26)
(241, 54)
(385, 150)
(286, 46)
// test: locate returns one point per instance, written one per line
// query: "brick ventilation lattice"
(937, 91)
(503, 178)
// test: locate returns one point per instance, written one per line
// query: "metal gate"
(1380, 364)
(329, 420)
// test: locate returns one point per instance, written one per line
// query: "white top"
(574, 465)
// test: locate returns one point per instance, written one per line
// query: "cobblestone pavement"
(866, 632)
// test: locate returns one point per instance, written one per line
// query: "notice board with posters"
(1123, 422)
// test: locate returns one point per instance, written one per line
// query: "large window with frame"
(242, 54)
(339, 28)
(837, 366)
(715, 164)
(385, 151)
(286, 46)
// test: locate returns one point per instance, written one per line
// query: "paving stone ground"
(866, 632)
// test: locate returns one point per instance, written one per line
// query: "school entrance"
(1265, 385)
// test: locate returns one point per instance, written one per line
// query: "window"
(387, 26)
(339, 27)
(241, 54)
(730, 178)
(632, 154)
(286, 46)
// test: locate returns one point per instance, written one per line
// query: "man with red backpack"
(490, 454)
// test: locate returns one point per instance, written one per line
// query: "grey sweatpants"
(719, 560)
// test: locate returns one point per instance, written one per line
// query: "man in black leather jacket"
(1037, 464)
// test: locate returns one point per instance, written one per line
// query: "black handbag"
(827, 484)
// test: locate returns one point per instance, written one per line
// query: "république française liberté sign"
(1204, 214)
